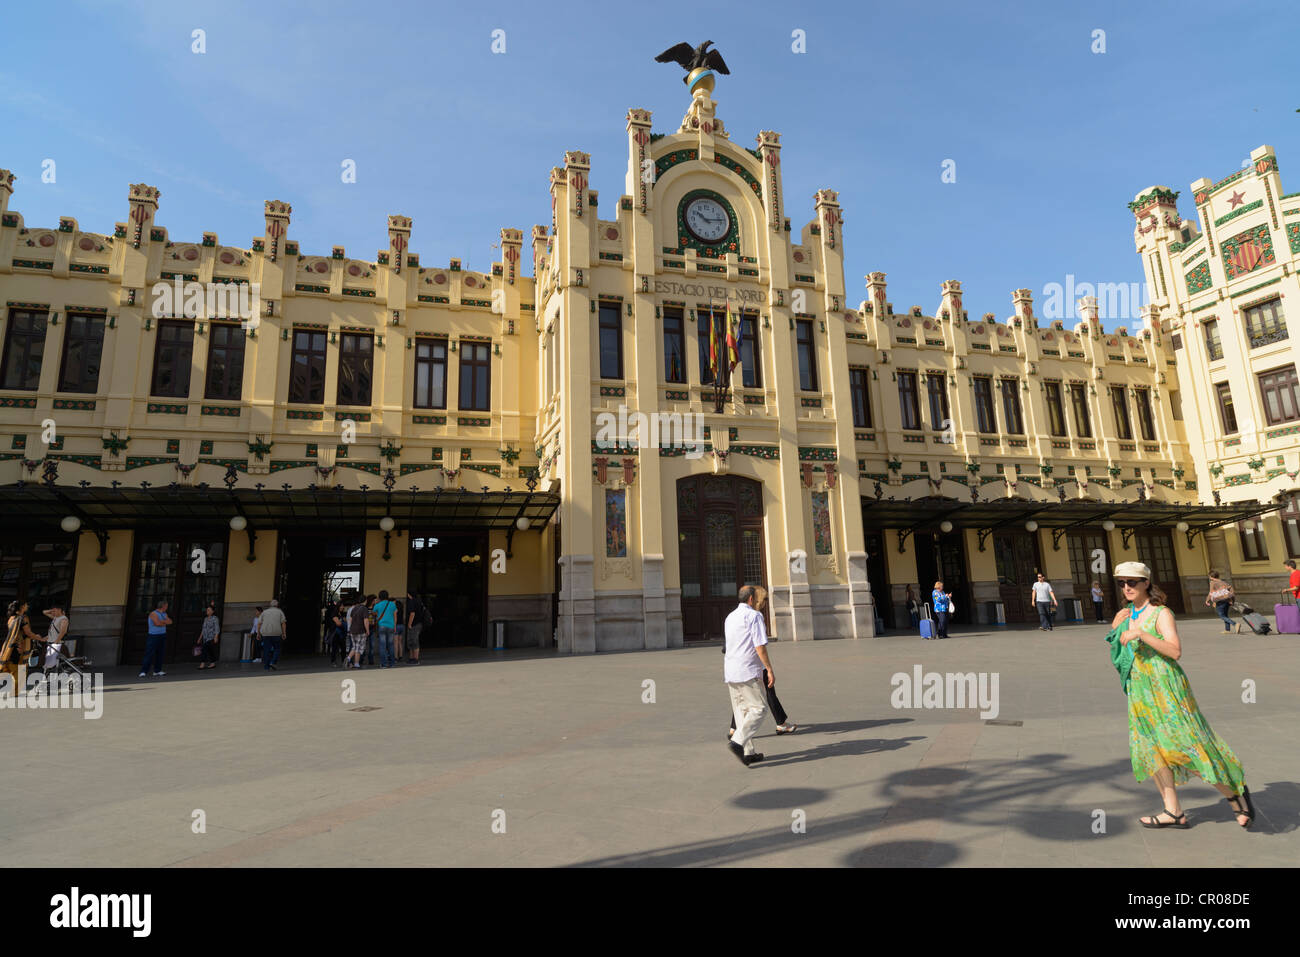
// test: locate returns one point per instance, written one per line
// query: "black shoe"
(752, 758)
(739, 752)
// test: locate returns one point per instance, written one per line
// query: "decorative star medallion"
(1235, 200)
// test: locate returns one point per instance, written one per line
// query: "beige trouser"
(749, 702)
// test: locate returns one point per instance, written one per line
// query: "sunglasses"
(1129, 582)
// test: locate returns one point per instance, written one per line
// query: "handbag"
(952, 606)
(198, 649)
(1220, 594)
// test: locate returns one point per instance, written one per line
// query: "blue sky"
(1050, 140)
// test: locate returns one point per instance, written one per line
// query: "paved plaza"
(480, 758)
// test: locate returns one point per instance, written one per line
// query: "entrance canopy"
(41, 507)
(927, 514)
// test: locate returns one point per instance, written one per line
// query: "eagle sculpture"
(692, 58)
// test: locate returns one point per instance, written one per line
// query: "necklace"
(1137, 612)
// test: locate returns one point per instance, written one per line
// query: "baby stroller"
(1256, 622)
(47, 657)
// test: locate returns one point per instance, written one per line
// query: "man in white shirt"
(742, 670)
(1044, 599)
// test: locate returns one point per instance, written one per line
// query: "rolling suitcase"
(1287, 615)
(1258, 623)
(927, 623)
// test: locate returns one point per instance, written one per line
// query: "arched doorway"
(720, 548)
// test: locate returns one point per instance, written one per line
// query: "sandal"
(1179, 820)
(1244, 798)
(787, 728)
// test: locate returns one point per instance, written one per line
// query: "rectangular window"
(172, 359)
(83, 345)
(1213, 345)
(307, 367)
(431, 373)
(1082, 423)
(1278, 390)
(1013, 420)
(1227, 416)
(475, 376)
(936, 383)
(1264, 323)
(751, 377)
(861, 398)
(1055, 409)
(1146, 425)
(611, 340)
(1291, 526)
(984, 418)
(1177, 340)
(356, 368)
(225, 378)
(674, 345)
(1253, 546)
(24, 347)
(908, 404)
(1123, 427)
(807, 355)
(707, 320)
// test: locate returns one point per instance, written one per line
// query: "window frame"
(233, 332)
(1082, 416)
(1146, 419)
(805, 345)
(1213, 340)
(1012, 411)
(309, 352)
(1270, 328)
(354, 360)
(473, 366)
(909, 401)
(1292, 382)
(1056, 422)
(860, 397)
(28, 338)
(1119, 409)
(751, 372)
(936, 387)
(68, 338)
(986, 421)
(185, 370)
(1290, 519)
(1223, 390)
(1251, 531)
(677, 337)
(431, 361)
(609, 319)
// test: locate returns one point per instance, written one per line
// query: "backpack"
(422, 616)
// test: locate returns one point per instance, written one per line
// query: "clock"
(707, 220)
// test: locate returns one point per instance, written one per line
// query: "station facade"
(574, 452)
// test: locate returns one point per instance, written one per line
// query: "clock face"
(707, 220)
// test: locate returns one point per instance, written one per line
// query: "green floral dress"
(1165, 727)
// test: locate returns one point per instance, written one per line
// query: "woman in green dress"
(1169, 738)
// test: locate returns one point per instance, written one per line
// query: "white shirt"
(1042, 591)
(745, 632)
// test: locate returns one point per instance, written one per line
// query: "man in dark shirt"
(416, 618)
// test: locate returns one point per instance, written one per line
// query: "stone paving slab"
(586, 773)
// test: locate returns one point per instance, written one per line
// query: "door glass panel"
(690, 561)
(751, 550)
(720, 555)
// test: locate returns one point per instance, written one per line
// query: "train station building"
(631, 412)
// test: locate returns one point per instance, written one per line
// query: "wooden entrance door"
(878, 576)
(1089, 549)
(1018, 563)
(720, 548)
(165, 569)
(1155, 548)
